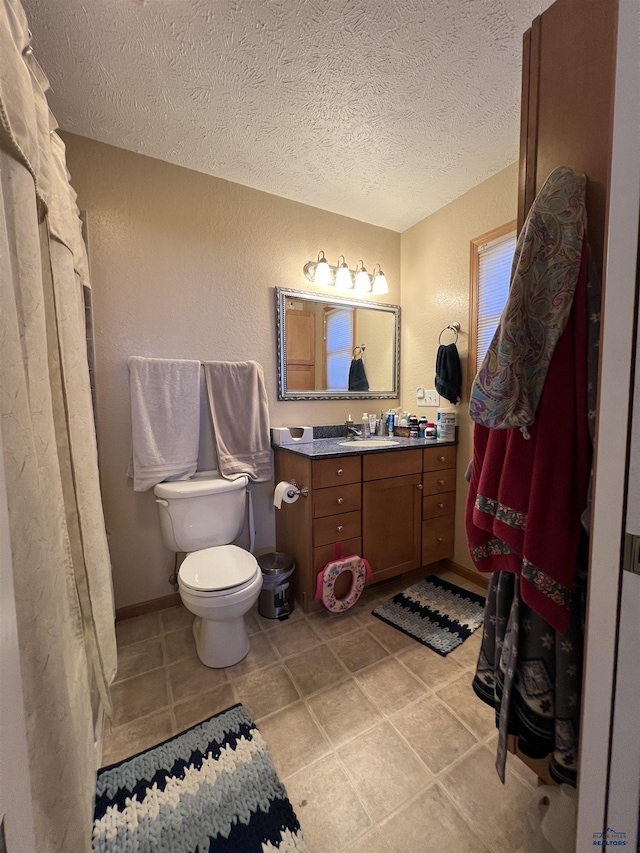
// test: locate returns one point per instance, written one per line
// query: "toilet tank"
(202, 512)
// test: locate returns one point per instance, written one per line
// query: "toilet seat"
(218, 571)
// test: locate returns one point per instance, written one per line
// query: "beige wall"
(435, 292)
(183, 265)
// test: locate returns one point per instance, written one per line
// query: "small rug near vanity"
(214, 787)
(434, 612)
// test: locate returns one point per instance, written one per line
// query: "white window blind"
(494, 272)
(339, 345)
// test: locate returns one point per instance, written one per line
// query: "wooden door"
(391, 519)
(300, 350)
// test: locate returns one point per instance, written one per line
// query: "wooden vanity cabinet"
(396, 509)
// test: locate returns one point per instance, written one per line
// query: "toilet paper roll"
(285, 492)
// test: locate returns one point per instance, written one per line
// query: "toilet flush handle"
(162, 502)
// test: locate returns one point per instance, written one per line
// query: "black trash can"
(276, 596)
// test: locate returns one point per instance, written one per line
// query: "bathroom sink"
(368, 442)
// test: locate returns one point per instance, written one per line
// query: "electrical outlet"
(429, 398)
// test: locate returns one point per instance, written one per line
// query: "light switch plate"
(430, 398)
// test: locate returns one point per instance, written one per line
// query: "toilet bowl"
(219, 585)
(218, 581)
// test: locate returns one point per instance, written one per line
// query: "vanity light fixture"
(343, 278)
(379, 281)
(362, 283)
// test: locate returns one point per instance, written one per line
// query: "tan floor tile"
(138, 658)
(330, 814)
(261, 654)
(266, 624)
(433, 732)
(139, 696)
(265, 691)
(344, 711)
(429, 666)
(358, 649)
(315, 670)
(289, 638)
(330, 626)
(389, 685)
(196, 710)
(173, 618)
(179, 645)
(467, 654)
(252, 624)
(383, 769)
(461, 698)
(526, 774)
(392, 639)
(131, 738)
(430, 823)
(371, 842)
(138, 628)
(190, 677)
(293, 739)
(493, 810)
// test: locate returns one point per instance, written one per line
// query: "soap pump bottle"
(365, 424)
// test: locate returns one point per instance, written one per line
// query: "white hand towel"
(240, 415)
(165, 420)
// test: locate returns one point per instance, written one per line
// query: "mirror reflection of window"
(339, 336)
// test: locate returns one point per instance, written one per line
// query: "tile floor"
(381, 743)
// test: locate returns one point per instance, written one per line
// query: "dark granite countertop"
(327, 448)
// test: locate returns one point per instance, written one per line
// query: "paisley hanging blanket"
(508, 387)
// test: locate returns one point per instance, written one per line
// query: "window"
(491, 258)
(339, 347)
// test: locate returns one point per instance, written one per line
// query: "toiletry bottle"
(364, 430)
(349, 426)
(413, 426)
(372, 424)
(422, 424)
(390, 422)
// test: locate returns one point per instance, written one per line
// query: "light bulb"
(322, 274)
(380, 283)
(363, 282)
(344, 279)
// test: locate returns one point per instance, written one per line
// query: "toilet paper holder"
(304, 491)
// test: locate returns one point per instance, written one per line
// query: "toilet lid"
(222, 567)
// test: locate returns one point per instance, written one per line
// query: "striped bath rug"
(434, 612)
(211, 789)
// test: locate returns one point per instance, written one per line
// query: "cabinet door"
(391, 519)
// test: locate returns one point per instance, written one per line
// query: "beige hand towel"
(165, 420)
(240, 415)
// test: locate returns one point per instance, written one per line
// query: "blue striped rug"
(436, 613)
(211, 789)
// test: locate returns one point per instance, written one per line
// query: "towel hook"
(453, 327)
(361, 348)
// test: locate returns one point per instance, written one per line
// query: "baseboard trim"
(151, 606)
(468, 574)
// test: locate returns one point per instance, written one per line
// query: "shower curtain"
(60, 561)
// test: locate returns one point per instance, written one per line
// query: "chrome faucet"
(353, 432)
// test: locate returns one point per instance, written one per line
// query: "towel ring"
(453, 327)
(358, 351)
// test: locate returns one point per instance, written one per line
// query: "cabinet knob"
(441, 482)
(440, 458)
(439, 538)
(440, 506)
(339, 472)
(340, 501)
(340, 528)
(419, 486)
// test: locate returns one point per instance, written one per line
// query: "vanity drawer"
(435, 482)
(437, 539)
(436, 458)
(379, 466)
(434, 506)
(326, 553)
(335, 472)
(335, 499)
(336, 528)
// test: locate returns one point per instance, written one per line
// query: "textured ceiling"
(383, 110)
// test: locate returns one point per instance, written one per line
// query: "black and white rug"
(211, 789)
(434, 612)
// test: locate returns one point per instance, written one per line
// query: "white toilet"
(218, 582)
